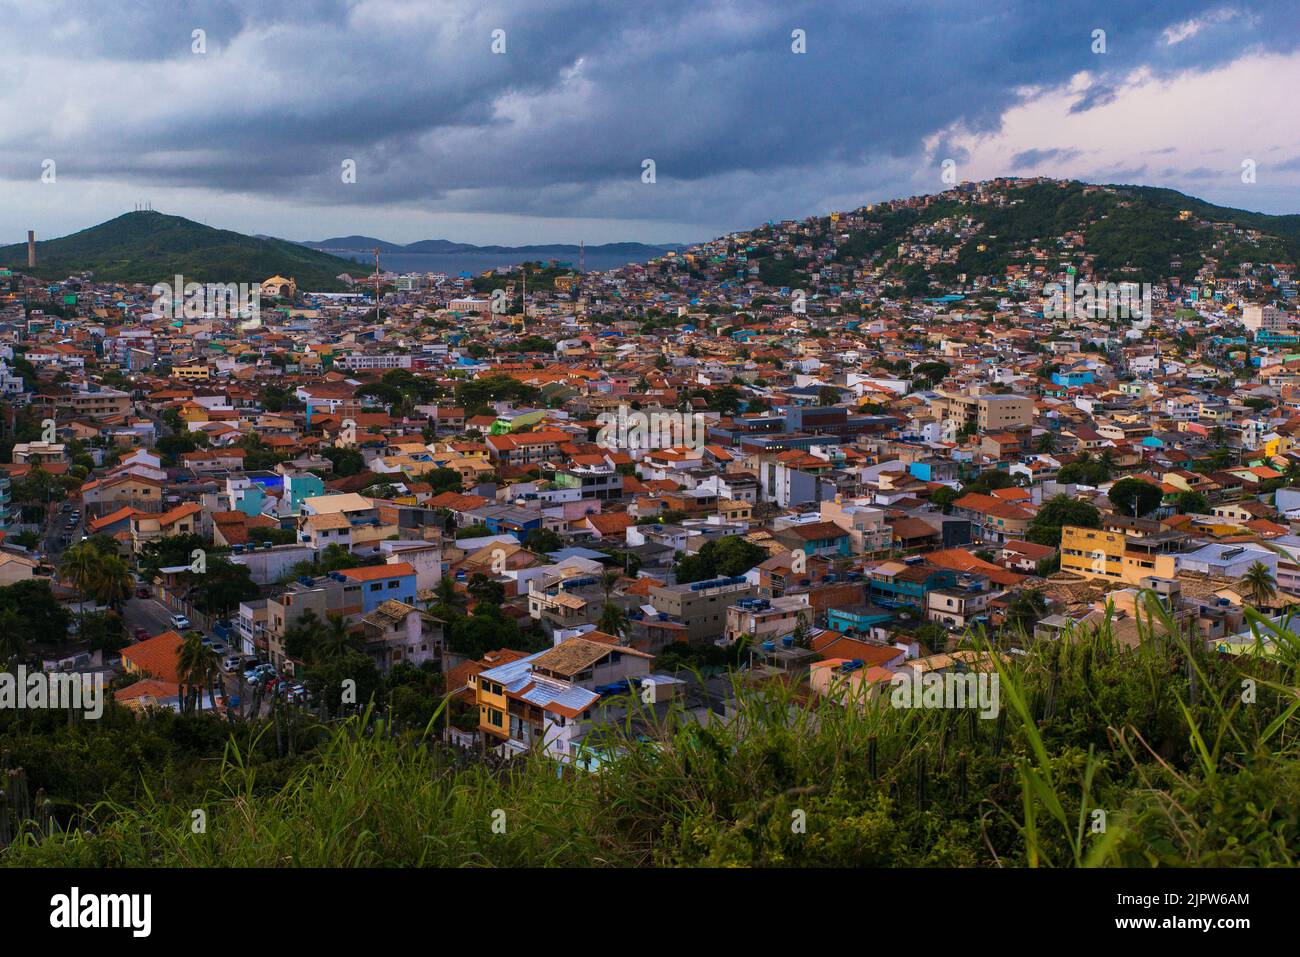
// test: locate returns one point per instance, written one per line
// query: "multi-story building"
(767, 618)
(1113, 556)
(396, 633)
(1264, 318)
(701, 606)
(960, 606)
(988, 413)
(546, 700)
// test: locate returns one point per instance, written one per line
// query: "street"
(147, 613)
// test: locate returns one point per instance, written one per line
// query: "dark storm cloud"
(560, 123)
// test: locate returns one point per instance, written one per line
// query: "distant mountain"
(149, 247)
(355, 244)
(445, 247)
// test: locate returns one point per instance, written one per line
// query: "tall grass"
(1159, 739)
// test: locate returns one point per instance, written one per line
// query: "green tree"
(444, 480)
(723, 557)
(1135, 497)
(1259, 584)
(448, 601)
(198, 667)
(1191, 503)
(1045, 529)
(222, 586)
(944, 496)
(1024, 609)
(542, 541)
(485, 590)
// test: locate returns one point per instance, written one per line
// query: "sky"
(532, 121)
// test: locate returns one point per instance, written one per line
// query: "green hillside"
(151, 247)
(1134, 232)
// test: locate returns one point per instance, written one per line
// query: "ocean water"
(455, 263)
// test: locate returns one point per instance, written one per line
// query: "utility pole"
(376, 285)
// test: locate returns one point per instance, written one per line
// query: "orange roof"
(177, 513)
(147, 688)
(960, 560)
(831, 644)
(158, 656)
(373, 572)
(112, 518)
(988, 505)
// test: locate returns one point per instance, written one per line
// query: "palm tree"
(112, 582)
(80, 565)
(612, 620)
(448, 601)
(1047, 443)
(335, 639)
(196, 665)
(1292, 471)
(1259, 584)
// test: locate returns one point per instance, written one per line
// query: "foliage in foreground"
(1165, 739)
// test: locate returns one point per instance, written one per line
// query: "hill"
(926, 244)
(149, 247)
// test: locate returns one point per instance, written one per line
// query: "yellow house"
(493, 709)
(1107, 556)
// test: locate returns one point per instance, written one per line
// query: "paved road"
(55, 529)
(155, 618)
(147, 613)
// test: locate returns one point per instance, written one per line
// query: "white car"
(180, 622)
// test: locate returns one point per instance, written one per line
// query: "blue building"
(898, 583)
(1072, 379)
(379, 583)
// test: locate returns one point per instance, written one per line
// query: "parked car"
(141, 633)
(260, 673)
(230, 663)
(218, 648)
(180, 622)
(142, 592)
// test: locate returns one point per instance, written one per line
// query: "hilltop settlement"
(820, 452)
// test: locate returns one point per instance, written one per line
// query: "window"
(377, 586)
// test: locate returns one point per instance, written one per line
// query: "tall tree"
(1259, 583)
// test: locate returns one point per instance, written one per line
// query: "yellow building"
(192, 373)
(1110, 556)
(493, 708)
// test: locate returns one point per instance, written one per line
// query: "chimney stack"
(31, 249)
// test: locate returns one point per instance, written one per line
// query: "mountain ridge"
(450, 247)
(149, 247)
